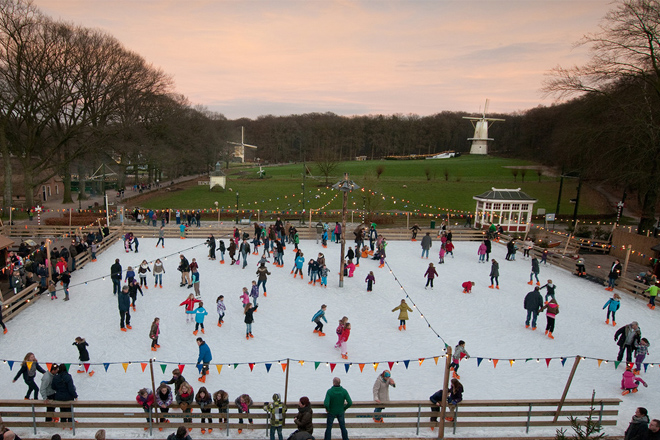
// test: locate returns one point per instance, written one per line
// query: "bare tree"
(379, 170)
(514, 171)
(625, 53)
(326, 165)
(446, 174)
(523, 171)
(539, 172)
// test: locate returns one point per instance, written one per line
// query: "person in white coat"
(382, 392)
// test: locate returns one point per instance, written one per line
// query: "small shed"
(510, 208)
(217, 177)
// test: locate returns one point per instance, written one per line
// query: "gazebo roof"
(5, 242)
(505, 195)
(218, 171)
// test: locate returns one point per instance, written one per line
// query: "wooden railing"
(410, 415)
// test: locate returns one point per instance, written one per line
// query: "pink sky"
(257, 57)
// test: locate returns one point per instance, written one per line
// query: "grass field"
(403, 185)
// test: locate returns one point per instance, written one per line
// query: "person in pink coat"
(351, 268)
(482, 252)
(630, 382)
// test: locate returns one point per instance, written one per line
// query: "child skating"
(641, 350)
(318, 316)
(344, 339)
(28, 370)
(154, 332)
(190, 306)
(200, 313)
(550, 290)
(403, 309)
(249, 319)
(299, 261)
(430, 274)
(370, 280)
(456, 357)
(83, 355)
(324, 276)
(630, 382)
(221, 308)
(245, 297)
(340, 329)
(254, 292)
(552, 309)
(467, 286)
(612, 305)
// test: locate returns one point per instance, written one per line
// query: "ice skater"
(190, 306)
(535, 272)
(249, 319)
(430, 274)
(245, 297)
(641, 350)
(340, 329)
(467, 286)
(28, 370)
(456, 357)
(612, 305)
(630, 382)
(370, 280)
(550, 290)
(494, 274)
(298, 265)
(83, 355)
(254, 293)
(142, 272)
(552, 309)
(154, 332)
(318, 316)
(221, 308)
(403, 309)
(158, 272)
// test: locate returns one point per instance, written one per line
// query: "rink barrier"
(408, 414)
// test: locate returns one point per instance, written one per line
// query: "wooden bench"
(401, 418)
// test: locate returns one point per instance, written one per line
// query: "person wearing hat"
(381, 392)
(303, 419)
(275, 411)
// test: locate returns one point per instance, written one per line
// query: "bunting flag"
(28, 363)
(616, 364)
(421, 361)
(142, 364)
(49, 365)
(251, 365)
(332, 367)
(181, 367)
(375, 366)
(316, 365)
(11, 364)
(301, 363)
(563, 361)
(125, 365)
(347, 366)
(479, 361)
(528, 359)
(390, 364)
(511, 361)
(106, 365)
(495, 363)
(600, 361)
(646, 366)
(219, 368)
(361, 367)
(163, 367)
(547, 362)
(87, 368)
(67, 366)
(283, 364)
(406, 364)
(268, 368)
(436, 360)
(235, 366)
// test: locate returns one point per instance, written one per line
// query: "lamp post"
(344, 186)
(236, 207)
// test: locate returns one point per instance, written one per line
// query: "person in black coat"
(533, 303)
(211, 244)
(124, 303)
(638, 425)
(133, 290)
(615, 271)
(488, 249)
(29, 373)
(65, 390)
(115, 275)
(627, 338)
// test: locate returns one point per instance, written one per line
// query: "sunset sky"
(257, 57)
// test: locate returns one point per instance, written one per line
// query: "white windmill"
(481, 124)
(239, 148)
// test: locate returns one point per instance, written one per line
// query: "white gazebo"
(510, 208)
(217, 177)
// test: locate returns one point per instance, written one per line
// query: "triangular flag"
(421, 361)
(106, 365)
(332, 367)
(462, 355)
(630, 365)
(219, 368)
(528, 359)
(49, 365)
(142, 364)
(268, 368)
(301, 363)
(125, 365)
(600, 361)
(390, 364)
(436, 359)
(181, 367)
(87, 367)
(479, 361)
(495, 363)
(563, 361)
(616, 364)
(29, 364)
(283, 364)
(375, 366)
(511, 361)
(316, 365)
(361, 367)
(406, 363)
(646, 366)
(547, 362)
(347, 366)
(251, 364)
(163, 367)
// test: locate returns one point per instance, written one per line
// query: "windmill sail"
(480, 138)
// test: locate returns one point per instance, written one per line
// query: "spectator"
(653, 432)
(145, 398)
(303, 419)
(337, 401)
(164, 399)
(181, 434)
(275, 411)
(243, 402)
(381, 392)
(455, 396)
(638, 425)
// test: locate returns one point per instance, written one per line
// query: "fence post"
(445, 386)
(151, 412)
(73, 421)
(625, 263)
(568, 385)
(529, 417)
(455, 418)
(419, 416)
(34, 420)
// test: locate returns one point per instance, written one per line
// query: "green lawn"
(403, 185)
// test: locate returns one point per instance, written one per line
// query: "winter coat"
(299, 262)
(249, 315)
(427, 242)
(381, 389)
(245, 248)
(533, 301)
(455, 396)
(495, 269)
(83, 354)
(482, 249)
(204, 402)
(431, 273)
(535, 266)
(222, 404)
(403, 311)
(319, 315)
(622, 334)
(262, 271)
(177, 381)
(184, 265)
(158, 268)
(186, 398)
(337, 400)
(245, 298)
(221, 308)
(615, 271)
(345, 334)
(164, 400)
(145, 402)
(613, 304)
(630, 381)
(254, 291)
(143, 269)
(200, 313)
(46, 390)
(637, 428)
(133, 290)
(204, 354)
(243, 404)
(552, 309)
(124, 301)
(459, 353)
(303, 419)
(130, 274)
(190, 304)
(488, 246)
(276, 412)
(371, 278)
(64, 388)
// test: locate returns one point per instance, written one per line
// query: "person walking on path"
(626, 338)
(430, 274)
(533, 303)
(203, 359)
(552, 309)
(337, 401)
(494, 274)
(427, 243)
(381, 392)
(612, 305)
(403, 309)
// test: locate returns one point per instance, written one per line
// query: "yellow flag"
(375, 366)
(600, 361)
(219, 367)
(436, 360)
(29, 364)
(125, 365)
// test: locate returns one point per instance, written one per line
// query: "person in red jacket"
(344, 337)
(145, 398)
(61, 266)
(467, 286)
(430, 274)
(190, 307)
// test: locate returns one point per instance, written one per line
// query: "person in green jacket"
(336, 402)
(653, 292)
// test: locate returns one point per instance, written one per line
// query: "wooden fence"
(401, 418)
